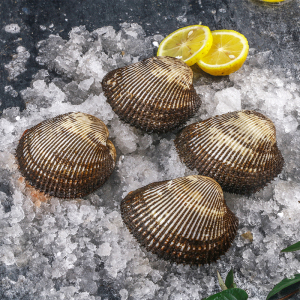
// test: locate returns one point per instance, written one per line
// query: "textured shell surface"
(185, 220)
(237, 149)
(67, 156)
(155, 95)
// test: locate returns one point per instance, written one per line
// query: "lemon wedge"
(189, 43)
(227, 53)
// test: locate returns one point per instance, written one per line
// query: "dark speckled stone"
(266, 28)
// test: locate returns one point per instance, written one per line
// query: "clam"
(184, 220)
(155, 95)
(67, 156)
(237, 149)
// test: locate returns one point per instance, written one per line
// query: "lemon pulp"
(189, 44)
(227, 54)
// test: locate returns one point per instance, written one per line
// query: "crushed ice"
(17, 65)
(80, 249)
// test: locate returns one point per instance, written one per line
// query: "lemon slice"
(188, 43)
(272, 0)
(227, 53)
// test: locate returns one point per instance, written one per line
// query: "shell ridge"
(172, 209)
(137, 83)
(128, 76)
(161, 235)
(156, 94)
(59, 156)
(50, 162)
(196, 222)
(222, 147)
(184, 213)
(176, 217)
(139, 105)
(206, 222)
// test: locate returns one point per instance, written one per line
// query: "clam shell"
(184, 220)
(155, 94)
(237, 149)
(68, 156)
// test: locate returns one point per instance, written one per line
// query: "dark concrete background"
(265, 27)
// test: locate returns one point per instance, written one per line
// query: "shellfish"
(155, 94)
(185, 220)
(67, 156)
(237, 149)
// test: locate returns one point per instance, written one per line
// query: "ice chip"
(228, 100)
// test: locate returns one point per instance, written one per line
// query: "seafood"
(237, 149)
(185, 220)
(155, 95)
(67, 156)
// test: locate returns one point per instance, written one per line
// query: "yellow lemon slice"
(227, 53)
(272, 0)
(188, 43)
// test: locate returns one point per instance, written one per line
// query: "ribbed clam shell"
(68, 156)
(184, 220)
(156, 94)
(237, 149)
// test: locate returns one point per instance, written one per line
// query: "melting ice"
(80, 249)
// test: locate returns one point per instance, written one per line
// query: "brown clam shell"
(184, 220)
(155, 94)
(68, 156)
(237, 149)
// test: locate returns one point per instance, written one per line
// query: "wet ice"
(80, 249)
(17, 65)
